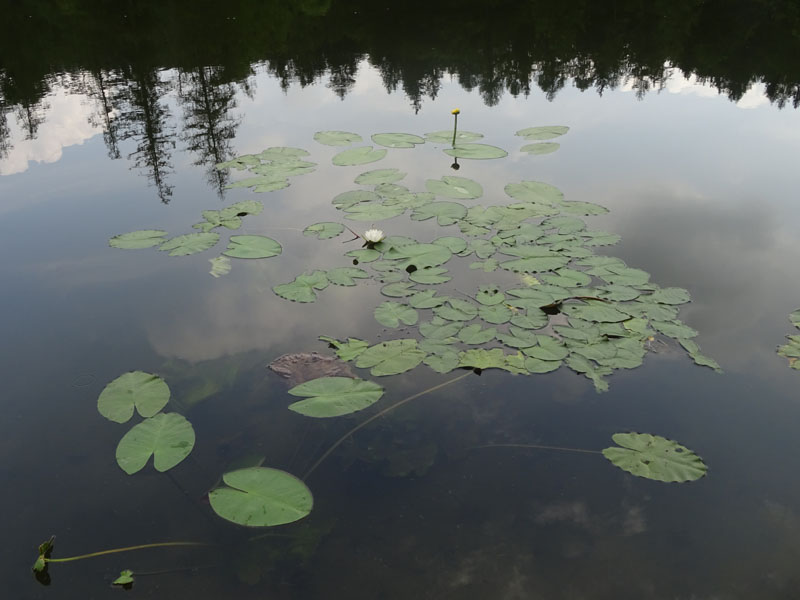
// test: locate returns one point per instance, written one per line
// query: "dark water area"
(113, 118)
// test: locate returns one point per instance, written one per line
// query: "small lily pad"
(445, 136)
(391, 358)
(346, 276)
(358, 156)
(324, 231)
(337, 138)
(378, 176)
(191, 243)
(221, 265)
(145, 238)
(476, 151)
(540, 148)
(547, 132)
(450, 186)
(397, 140)
(145, 392)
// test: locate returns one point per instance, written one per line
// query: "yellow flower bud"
(455, 111)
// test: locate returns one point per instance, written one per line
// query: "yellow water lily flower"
(455, 111)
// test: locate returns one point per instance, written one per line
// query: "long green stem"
(455, 128)
(126, 549)
(378, 415)
(539, 447)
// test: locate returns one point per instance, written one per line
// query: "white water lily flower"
(373, 236)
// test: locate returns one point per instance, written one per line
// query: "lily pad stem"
(378, 415)
(539, 447)
(126, 549)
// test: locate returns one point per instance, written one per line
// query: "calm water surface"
(701, 187)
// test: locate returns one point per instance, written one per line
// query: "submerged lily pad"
(540, 148)
(655, 457)
(261, 497)
(144, 238)
(145, 392)
(191, 243)
(547, 132)
(358, 156)
(397, 140)
(221, 265)
(334, 396)
(252, 246)
(476, 151)
(167, 437)
(337, 138)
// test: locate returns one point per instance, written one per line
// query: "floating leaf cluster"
(791, 351)
(271, 168)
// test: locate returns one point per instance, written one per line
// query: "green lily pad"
(167, 437)
(430, 275)
(261, 497)
(536, 365)
(282, 154)
(427, 299)
(672, 295)
(399, 289)
(445, 136)
(547, 348)
(475, 334)
(145, 392)
(595, 311)
(346, 350)
(535, 264)
(490, 295)
(337, 138)
(536, 192)
(457, 310)
(221, 265)
(397, 140)
(444, 362)
(439, 329)
(302, 289)
(230, 217)
(496, 315)
(391, 314)
(547, 132)
(252, 246)
(350, 198)
(479, 358)
(476, 151)
(191, 243)
(674, 329)
(540, 148)
(373, 212)
(324, 231)
(346, 276)
(450, 186)
(125, 578)
(334, 396)
(358, 156)
(446, 213)
(391, 358)
(378, 176)
(452, 243)
(585, 209)
(144, 238)
(655, 457)
(533, 318)
(794, 318)
(419, 255)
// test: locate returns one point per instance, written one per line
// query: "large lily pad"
(373, 212)
(391, 358)
(535, 191)
(252, 246)
(145, 238)
(358, 156)
(145, 392)
(346, 276)
(419, 255)
(337, 138)
(302, 289)
(391, 314)
(655, 457)
(191, 243)
(334, 396)
(451, 186)
(167, 437)
(446, 213)
(476, 151)
(261, 497)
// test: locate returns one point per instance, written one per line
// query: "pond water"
(681, 124)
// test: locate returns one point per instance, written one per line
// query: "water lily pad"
(399, 289)
(282, 153)
(337, 138)
(324, 231)
(373, 212)
(397, 140)
(585, 209)
(540, 148)
(346, 350)
(391, 314)
(334, 396)
(350, 198)
(655, 457)
(443, 362)
(547, 348)
(191, 243)
(358, 156)
(302, 289)
(419, 255)
(221, 265)
(536, 192)
(144, 238)
(457, 310)
(365, 255)
(475, 334)
(450, 186)
(476, 151)
(674, 329)
(536, 365)
(445, 136)
(264, 183)
(535, 264)
(672, 295)
(595, 311)
(252, 246)
(346, 276)
(479, 358)
(546, 132)
(145, 392)
(439, 329)
(261, 497)
(391, 358)
(446, 213)
(125, 578)
(378, 176)
(167, 437)
(430, 275)
(533, 318)
(427, 299)
(496, 315)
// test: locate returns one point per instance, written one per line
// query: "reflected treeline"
(129, 57)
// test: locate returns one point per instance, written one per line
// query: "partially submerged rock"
(300, 367)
